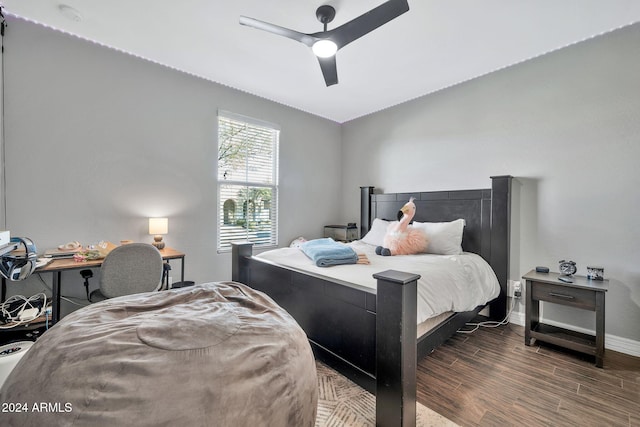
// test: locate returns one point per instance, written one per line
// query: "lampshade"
(324, 48)
(158, 226)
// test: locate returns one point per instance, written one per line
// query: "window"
(247, 181)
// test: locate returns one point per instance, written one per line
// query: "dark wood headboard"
(487, 213)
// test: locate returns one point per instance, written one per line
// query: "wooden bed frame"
(375, 344)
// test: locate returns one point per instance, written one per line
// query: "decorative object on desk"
(595, 273)
(158, 227)
(19, 265)
(86, 255)
(103, 247)
(568, 268)
(97, 251)
(541, 269)
(70, 246)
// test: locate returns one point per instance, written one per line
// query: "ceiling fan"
(325, 43)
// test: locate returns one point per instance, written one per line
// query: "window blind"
(247, 181)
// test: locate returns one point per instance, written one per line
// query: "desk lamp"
(158, 227)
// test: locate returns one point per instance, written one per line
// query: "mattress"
(448, 283)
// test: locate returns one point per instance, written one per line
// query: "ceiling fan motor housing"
(325, 14)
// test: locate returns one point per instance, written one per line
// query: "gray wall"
(97, 141)
(567, 126)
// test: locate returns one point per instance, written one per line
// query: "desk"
(57, 266)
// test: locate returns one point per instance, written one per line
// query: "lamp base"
(157, 242)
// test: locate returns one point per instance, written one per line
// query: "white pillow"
(376, 233)
(445, 238)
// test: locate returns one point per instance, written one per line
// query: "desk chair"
(127, 269)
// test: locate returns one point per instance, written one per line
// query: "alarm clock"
(567, 268)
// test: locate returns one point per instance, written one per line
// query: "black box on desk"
(344, 233)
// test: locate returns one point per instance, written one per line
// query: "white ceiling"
(438, 43)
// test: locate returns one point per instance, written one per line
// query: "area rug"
(342, 403)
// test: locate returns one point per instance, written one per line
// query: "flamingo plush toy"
(402, 238)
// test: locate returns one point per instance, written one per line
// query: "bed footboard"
(396, 351)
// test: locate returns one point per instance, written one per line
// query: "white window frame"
(237, 234)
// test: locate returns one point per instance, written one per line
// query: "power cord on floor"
(490, 323)
(19, 310)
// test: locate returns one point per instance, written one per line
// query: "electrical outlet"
(517, 289)
(514, 288)
(517, 286)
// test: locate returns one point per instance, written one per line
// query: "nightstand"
(342, 233)
(583, 293)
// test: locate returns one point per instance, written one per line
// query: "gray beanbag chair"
(217, 354)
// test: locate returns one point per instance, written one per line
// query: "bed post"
(240, 251)
(365, 210)
(500, 239)
(396, 352)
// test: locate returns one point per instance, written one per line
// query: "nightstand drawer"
(564, 295)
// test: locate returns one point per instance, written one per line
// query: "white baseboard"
(517, 318)
(611, 342)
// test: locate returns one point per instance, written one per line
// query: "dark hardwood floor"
(490, 378)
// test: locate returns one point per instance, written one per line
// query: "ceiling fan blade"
(303, 38)
(329, 70)
(365, 23)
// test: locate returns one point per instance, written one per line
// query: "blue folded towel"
(327, 252)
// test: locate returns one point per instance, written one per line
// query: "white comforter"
(447, 283)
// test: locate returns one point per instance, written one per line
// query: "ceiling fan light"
(324, 48)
